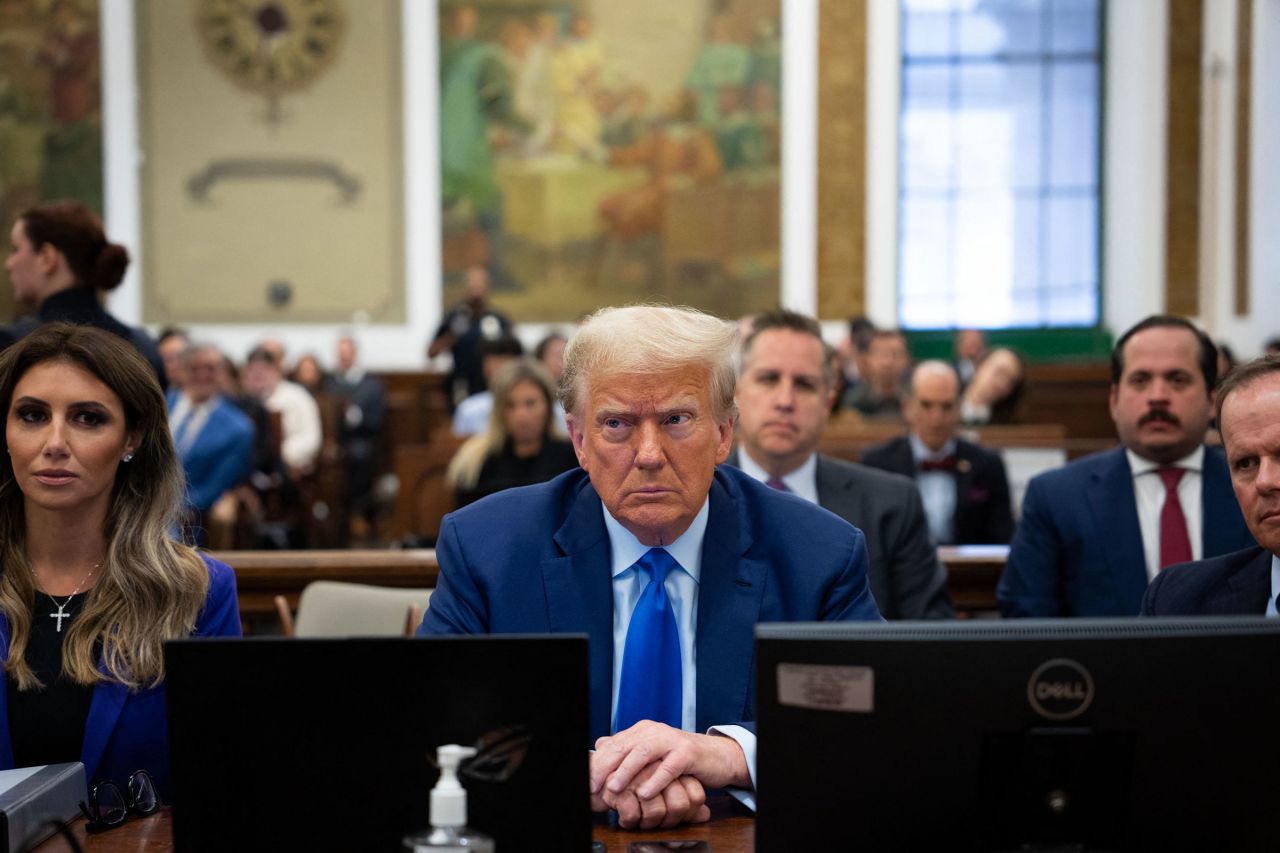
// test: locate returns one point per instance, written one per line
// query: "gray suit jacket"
(905, 576)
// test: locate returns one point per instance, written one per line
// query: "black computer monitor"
(1121, 734)
(291, 744)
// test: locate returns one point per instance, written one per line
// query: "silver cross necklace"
(62, 608)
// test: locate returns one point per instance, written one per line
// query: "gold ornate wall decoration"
(1244, 94)
(1182, 169)
(272, 180)
(842, 111)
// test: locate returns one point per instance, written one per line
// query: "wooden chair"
(336, 609)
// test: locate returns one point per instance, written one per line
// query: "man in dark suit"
(1096, 531)
(361, 429)
(665, 561)
(1246, 582)
(786, 385)
(964, 486)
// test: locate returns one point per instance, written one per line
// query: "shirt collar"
(686, 550)
(921, 453)
(1193, 461)
(1275, 576)
(800, 481)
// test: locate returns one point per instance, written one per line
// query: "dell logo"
(1060, 689)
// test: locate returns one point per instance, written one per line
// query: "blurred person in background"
(879, 394)
(970, 350)
(992, 397)
(522, 443)
(360, 432)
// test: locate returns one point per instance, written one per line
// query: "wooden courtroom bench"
(972, 574)
(262, 575)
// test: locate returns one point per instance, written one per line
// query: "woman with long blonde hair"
(523, 442)
(91, 581)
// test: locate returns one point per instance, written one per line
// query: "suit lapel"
(6, 742)
(580, 596)
(730, 592)
(104, 711)
(1114, 509)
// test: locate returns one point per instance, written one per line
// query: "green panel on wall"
(1038, 346)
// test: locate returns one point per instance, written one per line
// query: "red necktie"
(775, 483)
(1175, 545)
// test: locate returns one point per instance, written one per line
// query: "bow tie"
(946, 463)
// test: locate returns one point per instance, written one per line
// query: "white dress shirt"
(682, 590)
(1148, 489)
(802, 482)
(937, 489)
(1275, 586)
(299, 423)
(189, 419)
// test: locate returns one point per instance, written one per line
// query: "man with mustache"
(1246, 582)
(1095, 532)
(786, 385)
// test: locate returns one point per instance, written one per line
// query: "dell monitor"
(1064, 735)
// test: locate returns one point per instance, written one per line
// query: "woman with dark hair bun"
(61, 262)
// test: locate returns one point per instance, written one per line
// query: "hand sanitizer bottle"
(449, 832)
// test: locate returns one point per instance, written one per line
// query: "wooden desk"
(729, 831)
(262, 575)
(972, 574)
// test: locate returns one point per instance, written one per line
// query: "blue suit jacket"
(537, 560)
(1237, 584)
(220, 456)
(1078, 549)
(128, 731)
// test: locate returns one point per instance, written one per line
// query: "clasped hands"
(656, 776)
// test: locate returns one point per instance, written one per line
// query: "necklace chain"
(62, 608)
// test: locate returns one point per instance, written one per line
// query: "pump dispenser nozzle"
(448, 797)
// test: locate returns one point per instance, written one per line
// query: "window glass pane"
(927, 146)
(984, 258)
(1074, 126)
(1072, 233)
(1075, 26)
(927, 28)
(998, 125)
(999, 160)
(992, 27)
(926, 247)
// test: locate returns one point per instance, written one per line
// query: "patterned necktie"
(652, 685)
(775, 483)
(1175, 545)
(180, 434)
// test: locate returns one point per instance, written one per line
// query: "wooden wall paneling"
(1244, 122)
(1182, 169)
(842, 157)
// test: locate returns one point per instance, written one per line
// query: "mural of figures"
(596, 152)
(50, 108)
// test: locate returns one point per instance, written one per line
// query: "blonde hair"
(464, 469)
(651, 339)
(150, 588)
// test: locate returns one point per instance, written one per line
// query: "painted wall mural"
(595, 153)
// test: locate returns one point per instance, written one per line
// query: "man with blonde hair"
(663, 559)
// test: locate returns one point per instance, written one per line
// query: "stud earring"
(128, 457)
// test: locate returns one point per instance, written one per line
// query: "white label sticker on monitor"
(827, 688)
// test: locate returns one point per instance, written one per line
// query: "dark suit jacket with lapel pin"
(984, 514)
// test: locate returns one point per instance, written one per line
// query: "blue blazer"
(1078, 549)
(221, 455)
(537, 560)
(128, 731)
(1237, 584)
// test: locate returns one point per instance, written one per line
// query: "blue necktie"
(651, 686)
